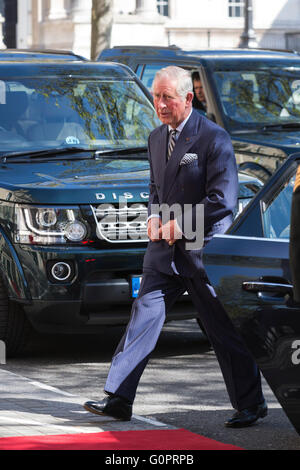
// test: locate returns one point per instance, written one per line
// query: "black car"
(249, 268)
(73, 144)
(74, 182)
(253, 94)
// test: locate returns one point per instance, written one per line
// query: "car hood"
(277, 143)
(74, 181)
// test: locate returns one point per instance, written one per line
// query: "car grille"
(122, 223)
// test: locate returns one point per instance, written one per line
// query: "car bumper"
(99, 294)
(90, 316)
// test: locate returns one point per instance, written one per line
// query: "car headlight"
(49, 225)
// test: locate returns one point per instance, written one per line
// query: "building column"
(54, 29)
(146, 24)
(57, 10)
(24, 25)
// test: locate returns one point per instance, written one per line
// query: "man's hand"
(171, 232)
(153, 229)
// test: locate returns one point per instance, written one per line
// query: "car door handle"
(263, 286)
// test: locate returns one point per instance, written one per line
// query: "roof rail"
(177, 48)
(172, 46)
(44, 51)
(291, 51)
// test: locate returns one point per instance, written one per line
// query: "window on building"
(163, 7)
(235, 8)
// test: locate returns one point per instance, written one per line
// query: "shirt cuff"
(151, 217)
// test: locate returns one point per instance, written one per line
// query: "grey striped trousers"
(157, 294)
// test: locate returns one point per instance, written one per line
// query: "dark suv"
(74, 180)
(253, 94)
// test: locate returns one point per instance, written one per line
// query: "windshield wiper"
(42, 153)
(244, 131)
(122, 152)
(71, 150)
(282, 126)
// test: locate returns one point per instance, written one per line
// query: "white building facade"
(190, 24)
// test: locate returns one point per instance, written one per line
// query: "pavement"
(32, 408)
(29, 407)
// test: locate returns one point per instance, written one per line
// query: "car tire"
(14, 326)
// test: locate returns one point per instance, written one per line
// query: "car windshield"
(51, 112)
(259, 97)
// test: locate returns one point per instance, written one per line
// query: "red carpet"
(178, 439)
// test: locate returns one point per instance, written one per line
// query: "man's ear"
(189, 97)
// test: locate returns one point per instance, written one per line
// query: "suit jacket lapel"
(186, 140)
(159, 159)
(162, 156)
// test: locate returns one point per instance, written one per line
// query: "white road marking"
(154, 422)
(61, 428)
(51, 389)
(22, 420)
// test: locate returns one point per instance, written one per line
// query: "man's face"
(198, 89)
(170, 108)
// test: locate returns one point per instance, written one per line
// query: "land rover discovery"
(73, 196)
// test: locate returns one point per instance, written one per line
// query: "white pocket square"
(188, 158)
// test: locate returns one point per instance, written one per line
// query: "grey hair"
(181, 76)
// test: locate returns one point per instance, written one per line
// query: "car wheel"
(14, 326)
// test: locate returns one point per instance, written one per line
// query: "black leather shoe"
(248, 416)
(113, 406)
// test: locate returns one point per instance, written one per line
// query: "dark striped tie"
(171, 144)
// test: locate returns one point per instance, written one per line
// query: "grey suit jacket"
(208, 177)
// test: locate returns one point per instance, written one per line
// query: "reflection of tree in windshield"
(276, 94)
(87, 111)
(261, 96)
(106, 110)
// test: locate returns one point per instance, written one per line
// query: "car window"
(277, 213)
(248, 188)
(51, 111)
(259, 96)
(149, 73)
(139, 70)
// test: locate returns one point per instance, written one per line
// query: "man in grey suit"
(193, 171)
